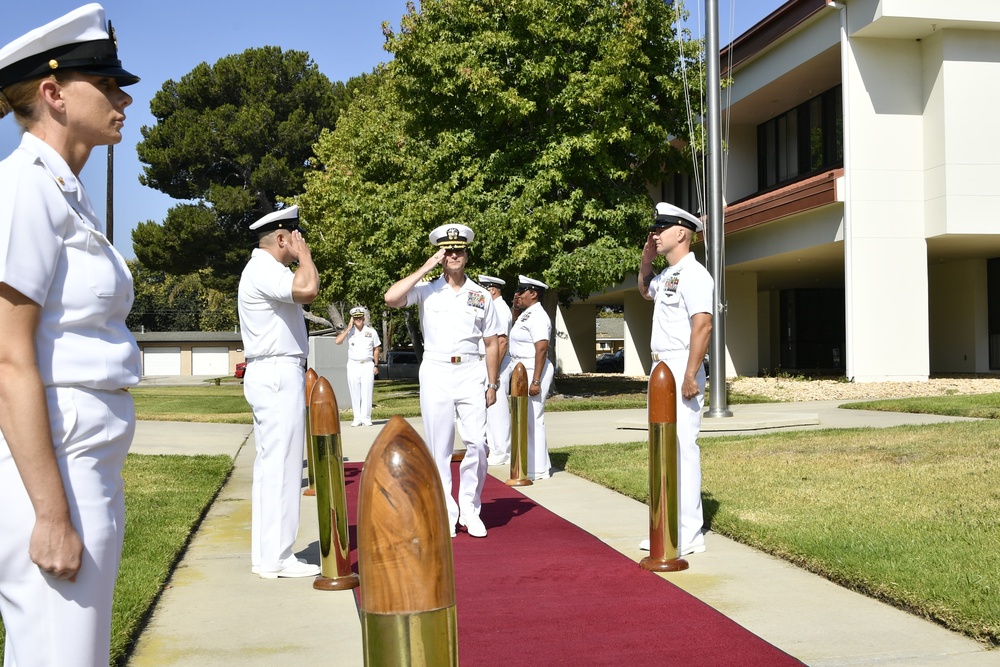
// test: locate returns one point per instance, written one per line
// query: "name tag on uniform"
(477, 300)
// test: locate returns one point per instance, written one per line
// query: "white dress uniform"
(533, 325)
(53, 251)
(498, 414)
(360, 372)
(451, 381)
(679, 292)
(275, 342)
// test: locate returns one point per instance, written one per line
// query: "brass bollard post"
(331, 497)
(519, 427)
(408, 616)
(664, 500)
(310, 454)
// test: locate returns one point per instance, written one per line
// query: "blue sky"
(165, 40)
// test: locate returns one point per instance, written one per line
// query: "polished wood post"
(519, 427)
(331, 496)
(664, 500)
(408, 615)
(310, 454)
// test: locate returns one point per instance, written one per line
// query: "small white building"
(862, 226)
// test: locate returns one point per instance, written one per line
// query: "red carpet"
(541, 591)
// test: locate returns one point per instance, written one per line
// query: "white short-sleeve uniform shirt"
(679, 292)
(271, 321)
(454, 321)
(53, 250)
(361, 344)
(533, 325)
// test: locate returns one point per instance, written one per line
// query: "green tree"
(537, 122)
(234, 139)
(166, 302)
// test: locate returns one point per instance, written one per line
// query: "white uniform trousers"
(689, 455)
(498, 416)
(446, 390)
(276, 392)
(53, 622)
(538, 446)
(361, 382)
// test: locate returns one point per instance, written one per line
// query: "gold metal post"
(331, 496)
(311, 377)
(664, 501)
(519, 427)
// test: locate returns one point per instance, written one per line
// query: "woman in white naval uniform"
(362, 363)
(66, 421)
(529, 345)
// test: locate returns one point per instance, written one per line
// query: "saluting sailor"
(498, 414)
(66, 421)
(456, 315)
(682, 325)
(362, 363)
(276, 346)
(529, 345)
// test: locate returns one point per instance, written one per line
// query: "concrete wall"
(575, 339)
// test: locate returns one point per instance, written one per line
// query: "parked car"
(241, 369)
(398, 364)
(611, 362)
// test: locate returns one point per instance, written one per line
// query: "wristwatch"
(494, 387)
(537, 383)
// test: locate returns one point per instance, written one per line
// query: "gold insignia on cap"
(53, 64)
(113, 36)
(452, 234)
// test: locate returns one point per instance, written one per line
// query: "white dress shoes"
(497, 459)
(473, 524)
(539, 475)
(299, 568)
(697, 547)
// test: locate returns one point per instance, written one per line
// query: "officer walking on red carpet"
(456, 315)
(682, 325)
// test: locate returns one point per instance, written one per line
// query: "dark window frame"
(805, 140)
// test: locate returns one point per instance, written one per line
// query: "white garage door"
(210, 361)
(161, 361)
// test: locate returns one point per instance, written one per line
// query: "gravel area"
(790, 389)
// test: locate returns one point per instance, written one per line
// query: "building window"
(803, 141)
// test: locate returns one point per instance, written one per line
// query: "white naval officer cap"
(82, 40)
(452, 235)
(524, 282)
(668, 215)
(490, 281)
(358, 311)
(286, 218)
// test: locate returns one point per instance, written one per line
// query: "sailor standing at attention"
(276, 345)
(456, 315)
(66, 354)
(498, 414)
(682, 297)
(362, 363)
(529, 345)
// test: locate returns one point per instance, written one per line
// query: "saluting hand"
(649, 249)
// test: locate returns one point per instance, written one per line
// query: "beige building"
(862, 233)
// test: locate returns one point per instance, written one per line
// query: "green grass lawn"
(908, 515)
(165, 500)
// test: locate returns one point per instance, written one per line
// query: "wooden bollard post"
(519, 427)
(408, 615)
(664, 499)
(310, 454)
(331, 496)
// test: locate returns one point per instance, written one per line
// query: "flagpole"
(110, 207)
(715, 248)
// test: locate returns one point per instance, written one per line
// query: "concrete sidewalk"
(214, 612)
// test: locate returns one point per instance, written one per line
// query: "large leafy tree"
(537, 122)
(234, 139)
